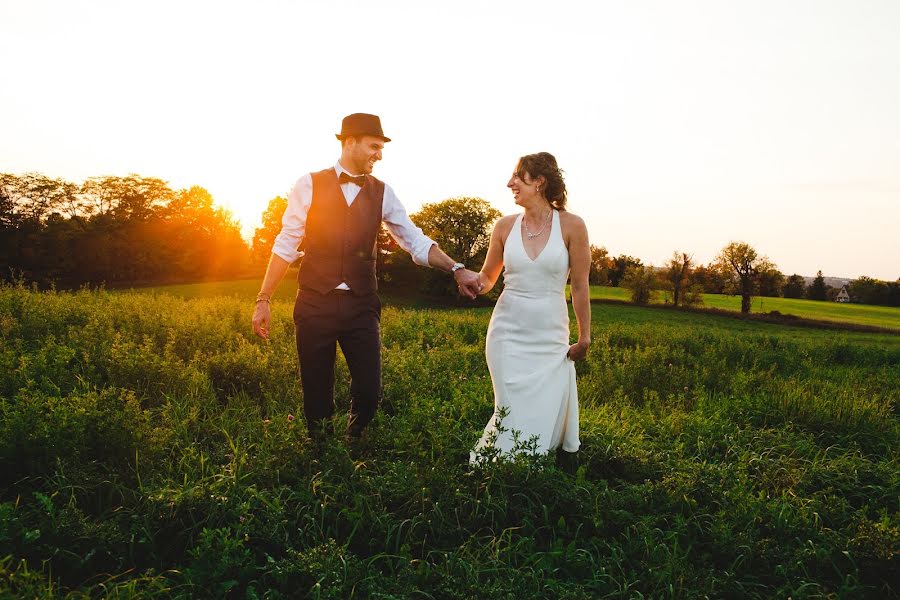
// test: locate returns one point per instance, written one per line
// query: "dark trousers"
(322, 321)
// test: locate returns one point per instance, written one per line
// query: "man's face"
(363, 153)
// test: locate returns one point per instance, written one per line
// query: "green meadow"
(859, 314)
(151, 446)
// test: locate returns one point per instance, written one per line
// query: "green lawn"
(879, 316)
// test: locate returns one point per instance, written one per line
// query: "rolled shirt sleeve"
(293, 223)
(408, 235)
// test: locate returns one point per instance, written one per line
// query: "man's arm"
(262, 314)
(424, 250)
(468, 281)
(284, 252)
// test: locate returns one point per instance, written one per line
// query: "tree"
(601, 263)
(711, 278)
(770, 282)
(640, 280)
(394, 267)
(817, 289)
(620, 265)
(265, 234)
(190, 206)
(30, 197)
(743, 262)
(694, 295)
(795, 287)
(9, 218)
(129, 197)
(867, 290)
(461, 226)
(676, 275)
(199, 238)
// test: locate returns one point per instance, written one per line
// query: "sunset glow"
(679, 125)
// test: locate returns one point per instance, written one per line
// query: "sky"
(680, 125)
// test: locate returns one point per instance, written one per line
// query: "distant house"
(842, 296)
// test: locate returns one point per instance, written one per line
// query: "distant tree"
(676, 274)
(601, 263)
(100, 194)
(130, 229)
(694, 295)
(9, 217)
(30, 197)
(640, 280)
(711, 278)
(817, 289)
(794, 287)
(620, 264)
(395, 268)
(189, 206)
(201, 240)
(265, 234)
(866, 290)
(743, 262)
(461, 226)
(770, 282)
(129, 197)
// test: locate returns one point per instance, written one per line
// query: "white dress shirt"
(393, 214)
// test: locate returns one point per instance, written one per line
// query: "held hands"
(578, 350)
(469, 283)
(262, 316)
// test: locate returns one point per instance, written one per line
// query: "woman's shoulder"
(569, 220)
(505, 223)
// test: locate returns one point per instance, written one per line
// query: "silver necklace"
(530, 235)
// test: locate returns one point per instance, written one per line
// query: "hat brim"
(341, 137)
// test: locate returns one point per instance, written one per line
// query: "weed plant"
(148, 448)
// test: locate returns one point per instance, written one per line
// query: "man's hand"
(262, 316)
(469, 283)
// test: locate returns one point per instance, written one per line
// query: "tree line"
(737, 270)
(114, 230)
(138, 230)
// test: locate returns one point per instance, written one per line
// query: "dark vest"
(340, 241)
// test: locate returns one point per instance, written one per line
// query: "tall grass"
(147, 450)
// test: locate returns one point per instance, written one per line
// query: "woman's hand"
(578, 350)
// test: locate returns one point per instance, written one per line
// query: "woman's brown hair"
(543, 164)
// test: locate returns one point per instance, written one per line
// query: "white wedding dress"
(527, 341)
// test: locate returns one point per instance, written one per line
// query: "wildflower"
(290, 417)
(266, 421)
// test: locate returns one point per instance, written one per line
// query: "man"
(336, 215)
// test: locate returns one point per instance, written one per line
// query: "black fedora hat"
(359, 124)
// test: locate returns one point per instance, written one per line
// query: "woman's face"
(524, 188)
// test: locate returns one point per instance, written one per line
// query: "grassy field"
(148, 449)
(861, 314)
(879, 316)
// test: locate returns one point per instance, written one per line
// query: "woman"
(528, 350)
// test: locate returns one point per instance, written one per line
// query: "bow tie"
(359, 180)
